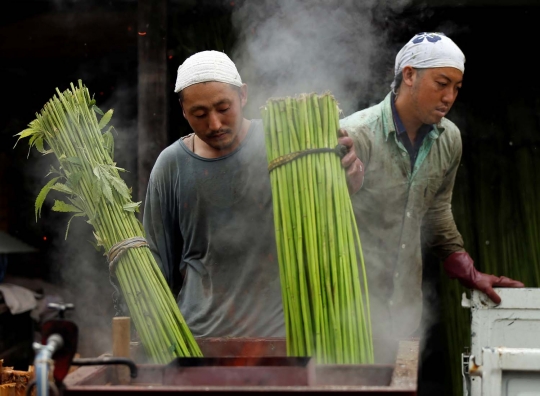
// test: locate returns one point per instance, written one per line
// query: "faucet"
(55, 352)
(42, 365)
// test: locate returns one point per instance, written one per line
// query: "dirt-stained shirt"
(397, 207)
(212, 219)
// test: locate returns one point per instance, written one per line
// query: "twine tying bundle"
(340, 150)
(117, 250)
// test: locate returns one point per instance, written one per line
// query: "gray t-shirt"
(213, 219)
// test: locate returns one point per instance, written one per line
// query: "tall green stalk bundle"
(323, 279)
(88, 176)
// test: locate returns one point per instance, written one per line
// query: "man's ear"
(243, 94)
(183, 111)
(409, 74)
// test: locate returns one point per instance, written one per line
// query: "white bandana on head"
(428, 50)
(207, 66)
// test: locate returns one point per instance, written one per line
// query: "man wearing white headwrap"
(208, 212)
(411, 154)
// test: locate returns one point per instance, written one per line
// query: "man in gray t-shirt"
(208, 211)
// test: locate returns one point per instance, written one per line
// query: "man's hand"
(461, 266)
(353, 166)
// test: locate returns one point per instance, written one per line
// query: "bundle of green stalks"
(68, 127)
(323, 279)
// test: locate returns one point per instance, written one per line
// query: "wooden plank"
(405, 374)
(120, 342)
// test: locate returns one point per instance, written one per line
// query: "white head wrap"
(207, 66)
(428, 50)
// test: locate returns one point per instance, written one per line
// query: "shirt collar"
(398, 124)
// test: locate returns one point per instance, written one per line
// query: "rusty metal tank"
(242, 365)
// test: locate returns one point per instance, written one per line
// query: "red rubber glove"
(353, 166)
(461, 266)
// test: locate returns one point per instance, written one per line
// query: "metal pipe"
(43, 362)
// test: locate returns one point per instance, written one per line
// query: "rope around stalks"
(117, 250)
(340, 150)
(113, 255)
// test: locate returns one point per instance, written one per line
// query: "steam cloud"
(289, 47)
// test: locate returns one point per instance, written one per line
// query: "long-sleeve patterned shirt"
(397, 207)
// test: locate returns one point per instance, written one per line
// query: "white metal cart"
(504, 358)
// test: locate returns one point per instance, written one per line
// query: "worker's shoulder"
(171, 153)
(364, 122)
(168, 160)
(363, 117)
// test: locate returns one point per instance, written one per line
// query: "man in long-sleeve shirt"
(411, 154)
(208, 211)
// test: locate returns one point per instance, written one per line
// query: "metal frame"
(500, 361)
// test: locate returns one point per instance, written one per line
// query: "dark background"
(49, 44)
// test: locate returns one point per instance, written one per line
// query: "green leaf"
(107, 191)
(108, 142)
(119, 185)
(132, 206)
(74, 160)
(97, 172)
(77, 202)
(54, 171)
(42, 195)
(61, 206)
(97, 110)
(27, 132)
(74, 178)
(39, 144)
(69, 222)
(33, 139)
(24, 134)
(63, 188)
(105, 119)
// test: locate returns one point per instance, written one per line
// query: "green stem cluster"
(69, 126)
(324, 285)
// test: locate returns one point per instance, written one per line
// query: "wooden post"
(121, 339)
(152, 88)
